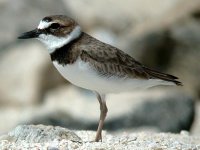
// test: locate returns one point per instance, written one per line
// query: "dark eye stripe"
(54, 26)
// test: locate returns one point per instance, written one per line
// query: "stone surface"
(140, 141)
(21, 70)
(185, 58)
(122, 15)
(130, 23)
(195, 128)
(164, 110)
(163, 35)
(23, 74)
(39, 134)
(172, 111)
(26, 70)
(171, 44)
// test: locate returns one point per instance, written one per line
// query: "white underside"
(82, 75)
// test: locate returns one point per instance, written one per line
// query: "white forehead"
(43, 24)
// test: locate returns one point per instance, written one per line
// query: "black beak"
(31, 34)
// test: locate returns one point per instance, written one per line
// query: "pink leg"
(103, 112)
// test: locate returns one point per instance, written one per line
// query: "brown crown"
(61, 26)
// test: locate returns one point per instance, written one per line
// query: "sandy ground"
(139, 141)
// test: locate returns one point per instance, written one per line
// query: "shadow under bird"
(91, 64)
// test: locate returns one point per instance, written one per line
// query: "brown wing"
(110, 61)
(159, 75)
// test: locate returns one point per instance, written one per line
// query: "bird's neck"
(53, 42)
(69, 52)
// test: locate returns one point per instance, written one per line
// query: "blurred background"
(161, 34)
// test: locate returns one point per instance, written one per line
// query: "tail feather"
(163, 76)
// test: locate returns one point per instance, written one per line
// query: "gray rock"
(171, 112)
(127, 141)
(196, 125)
(164, 110)
(40, 134)
(187, 53)
(121, 17)
(20, 70)
(25, 74)
(155, 48)
(171, 44)
(60, 118)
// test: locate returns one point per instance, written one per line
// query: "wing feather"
(110, 61)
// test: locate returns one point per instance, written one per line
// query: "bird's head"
(54, 31)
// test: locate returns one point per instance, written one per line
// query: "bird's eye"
(55, 26)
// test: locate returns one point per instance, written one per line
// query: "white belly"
(82, 75)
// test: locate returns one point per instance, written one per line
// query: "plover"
(91, 64)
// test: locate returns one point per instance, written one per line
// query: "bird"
(92, 64)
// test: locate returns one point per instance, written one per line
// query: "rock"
(163, 110)
(40, 134)
(169, 114)
(59, 118)
(196, 125)
(154, 49)
(104, 35)
(10, 117)
(21, 67)
(187, 53)
(123, 15)
(171, 44)
(23, 15)
(139, 141)
(156, 37)
(23, 74)
(174, 48)
(129, 20)
(172, 111)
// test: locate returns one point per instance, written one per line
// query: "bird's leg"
(103, 112)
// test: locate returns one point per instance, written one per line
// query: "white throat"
(53, 42)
